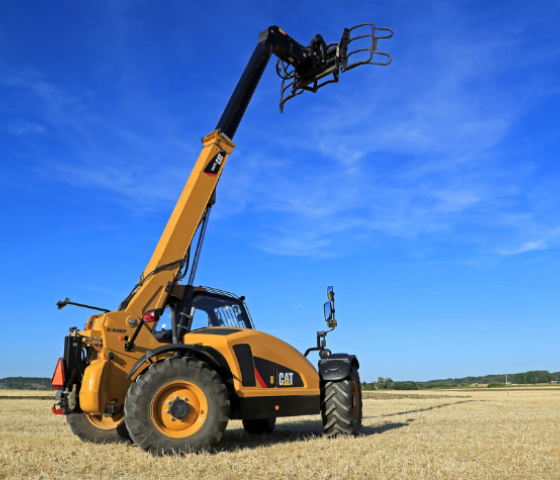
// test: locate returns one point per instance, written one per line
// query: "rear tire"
(259, 426)
(98, 428)
(201, 414)
(341, 405)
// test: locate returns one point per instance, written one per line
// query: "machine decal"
(278, 375)
(118, 330)
(213, 167)
(260, 380)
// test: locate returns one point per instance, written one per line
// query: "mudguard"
(92, 393)
(185, 349)
(337, 366)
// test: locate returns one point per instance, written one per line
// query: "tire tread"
(336, 406)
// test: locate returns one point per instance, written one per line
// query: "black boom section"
(272, 40)
(337, 366)
(245, 359)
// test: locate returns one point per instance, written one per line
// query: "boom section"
(301, 69)
(182, 226)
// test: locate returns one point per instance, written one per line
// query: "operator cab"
(213, 308)
(220, 309)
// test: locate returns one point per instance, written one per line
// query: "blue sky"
(426, 192)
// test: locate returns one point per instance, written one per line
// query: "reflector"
(58, 378)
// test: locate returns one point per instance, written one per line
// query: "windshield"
(213, 311)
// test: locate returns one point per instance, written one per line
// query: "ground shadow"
(237, 439)
(372, 430)
(424, 409)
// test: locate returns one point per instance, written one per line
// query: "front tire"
(178, 405)
(341, 405)
(259, 426)
(98, 428)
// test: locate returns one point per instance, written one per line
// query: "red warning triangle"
(57, 381)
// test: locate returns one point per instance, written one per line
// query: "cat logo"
(286, 379)
(214, 166)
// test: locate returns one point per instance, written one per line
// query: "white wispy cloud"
(95, 149)
(419, 148)
(416, 155)
(25, 128)
(525, 247)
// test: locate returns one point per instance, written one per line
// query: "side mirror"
(61, 304)
(330, 293)
(328, 312)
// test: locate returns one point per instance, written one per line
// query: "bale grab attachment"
(321, 60)
(302, 68)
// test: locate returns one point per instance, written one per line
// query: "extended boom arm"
(301, 68)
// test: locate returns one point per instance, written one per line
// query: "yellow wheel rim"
(197, 409)
(355, 401)
(105, 423)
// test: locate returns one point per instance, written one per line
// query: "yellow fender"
(93, 396)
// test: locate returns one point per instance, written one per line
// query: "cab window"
(218, 312)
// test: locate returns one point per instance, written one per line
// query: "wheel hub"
(179, 409)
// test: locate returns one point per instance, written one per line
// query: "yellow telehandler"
(125, 376)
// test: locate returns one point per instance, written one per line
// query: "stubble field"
(418, 435)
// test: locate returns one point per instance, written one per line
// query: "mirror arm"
(310, 350)
(321, 343)
(62, 303)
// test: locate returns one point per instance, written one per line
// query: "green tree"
(384, 383)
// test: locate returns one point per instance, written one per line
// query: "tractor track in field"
(369, 395)
(511, 389)
(27, 397)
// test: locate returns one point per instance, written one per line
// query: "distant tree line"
(532, 376)
(382, 383)
(388, 384)
(26, 383)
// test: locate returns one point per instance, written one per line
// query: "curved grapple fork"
(326, 60)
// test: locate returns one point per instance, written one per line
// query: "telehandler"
(174, 390)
